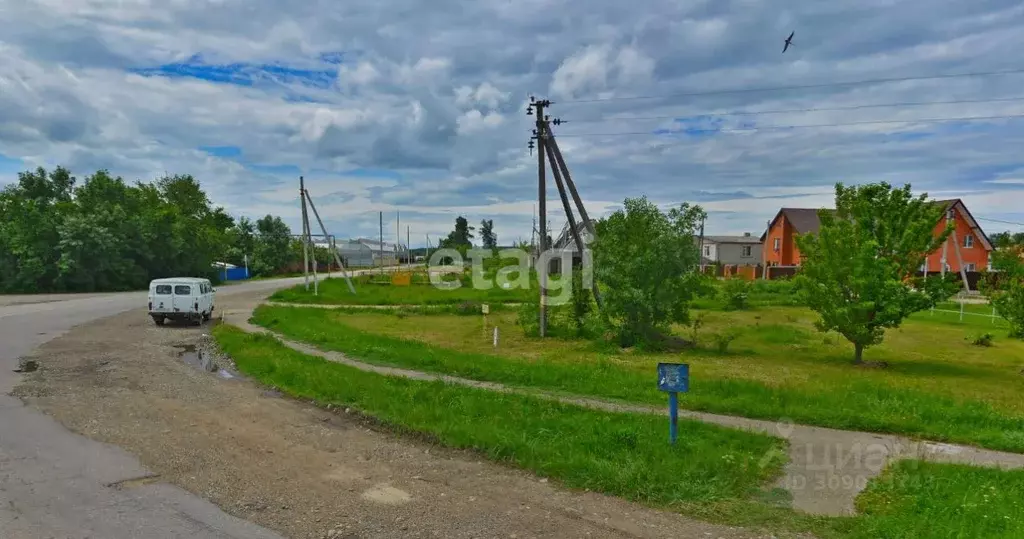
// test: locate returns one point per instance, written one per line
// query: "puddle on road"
(195, 357)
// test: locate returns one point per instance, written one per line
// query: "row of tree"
(106, 234)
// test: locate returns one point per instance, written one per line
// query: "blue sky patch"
(241, 74)
(222, 151)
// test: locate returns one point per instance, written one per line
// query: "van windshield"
(183, 290)
(163, 289)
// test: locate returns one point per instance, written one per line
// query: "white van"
(181, 298)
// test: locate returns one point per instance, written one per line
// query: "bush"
(724, 339)
(467, 308)
(985, 339)
(735, 293)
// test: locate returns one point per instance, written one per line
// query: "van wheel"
(159, 320)
(206, 316)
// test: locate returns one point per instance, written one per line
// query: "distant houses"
(967, 248)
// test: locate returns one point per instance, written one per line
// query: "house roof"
(732, 239)
(805, 220)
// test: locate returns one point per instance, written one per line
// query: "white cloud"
(421, 108)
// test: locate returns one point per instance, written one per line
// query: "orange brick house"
(780, 249)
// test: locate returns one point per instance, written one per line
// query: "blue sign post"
(673, 378)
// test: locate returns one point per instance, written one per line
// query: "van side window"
(183, 290)
(163, 289)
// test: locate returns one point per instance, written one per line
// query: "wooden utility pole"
(542, 272)
(332, 243)
(305, 232)
(571, 184)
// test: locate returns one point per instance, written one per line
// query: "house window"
(746, 251)
(707, 250)
(949, 214)
(968, 241)
(969, 267)
(776, 243)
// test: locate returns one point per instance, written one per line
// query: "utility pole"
(398, 234)
(380, 247)
(305, 231)
(702, 244)
(408, 246)
(541, 136)
(332, 243)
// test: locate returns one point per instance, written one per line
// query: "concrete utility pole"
(380, 248)
(408, 245)
(542, 272)
(398, 235)
(332, 243)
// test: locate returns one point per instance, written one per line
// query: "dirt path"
(294, 468)
(825, 470)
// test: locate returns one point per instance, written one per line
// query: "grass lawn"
(715, 471)
(916, 499)
(937, 386)
(335, 292)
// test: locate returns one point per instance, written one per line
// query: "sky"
(418, 109)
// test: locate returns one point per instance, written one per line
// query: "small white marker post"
(495, 336)
(485, 309)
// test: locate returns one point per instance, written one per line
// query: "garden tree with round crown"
(646, 261)
(858, 271)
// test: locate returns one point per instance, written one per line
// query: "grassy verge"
(715, 471)
(914, 499)
(623, 454)
(821, 392)
(335, 292)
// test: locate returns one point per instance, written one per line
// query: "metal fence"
(961, 311)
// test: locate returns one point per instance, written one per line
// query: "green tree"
(1007, 295)
(858, 271)
(1008, 239)
(646, 259)
(461, 238)
(273, 246)
(487, 236)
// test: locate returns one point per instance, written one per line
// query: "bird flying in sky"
(789, 41)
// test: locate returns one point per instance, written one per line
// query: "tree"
(858, 271)
(1007, 294)
(1008, 239)
(487, 236)
(460, 238)
(646, 261)
(273, 249)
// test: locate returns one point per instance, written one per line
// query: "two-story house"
(730, 250)
(968, 243)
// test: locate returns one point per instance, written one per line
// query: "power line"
(801, 126)
(798, 86)
(813, 109)
(999, 221)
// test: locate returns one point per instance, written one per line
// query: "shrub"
(735, 293)
(985, 339)
(724, 339)
(467, 308)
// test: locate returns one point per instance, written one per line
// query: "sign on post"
(673, 378)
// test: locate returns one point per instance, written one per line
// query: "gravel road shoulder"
(302, 471)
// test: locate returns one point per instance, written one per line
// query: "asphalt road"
(56, 484)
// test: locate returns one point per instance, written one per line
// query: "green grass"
(937, 386)
(335, 292)
(715, 471)
(622, 454)
(914, 499)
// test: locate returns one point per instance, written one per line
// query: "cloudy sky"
(419, 107)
